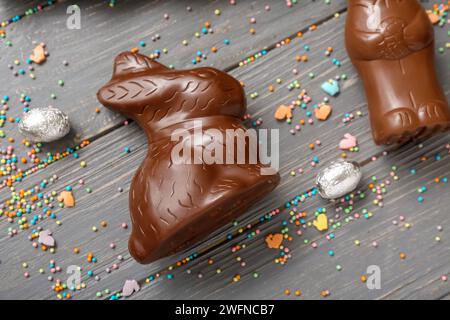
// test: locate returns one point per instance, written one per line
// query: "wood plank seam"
(230, 68)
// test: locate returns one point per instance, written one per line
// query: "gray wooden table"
(234, 263)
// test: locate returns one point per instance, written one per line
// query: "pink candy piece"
(46, 239)
(348, 142)
(130, 287)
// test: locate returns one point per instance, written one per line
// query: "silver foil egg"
(44, 124)
(338, 179)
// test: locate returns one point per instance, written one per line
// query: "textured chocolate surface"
(391, 43)
(173, 205)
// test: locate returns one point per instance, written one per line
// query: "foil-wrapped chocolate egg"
(338, 179)
(44, 124)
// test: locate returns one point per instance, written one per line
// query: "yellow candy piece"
(321, 223)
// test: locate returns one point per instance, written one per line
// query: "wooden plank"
(108, 168)
(107, 31)
(105, 202)
(311, 273)
(52, 55)
(9, 9)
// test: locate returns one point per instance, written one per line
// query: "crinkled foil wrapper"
(338, 179)
(44, 124)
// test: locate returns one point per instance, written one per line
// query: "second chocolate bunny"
(391, 44)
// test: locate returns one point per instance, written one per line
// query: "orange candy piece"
(323, 112)
(434, 18)
(274, 241)
(283, 112)
(38, 55)
(67, 198)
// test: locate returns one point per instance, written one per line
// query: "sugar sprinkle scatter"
(309, 102)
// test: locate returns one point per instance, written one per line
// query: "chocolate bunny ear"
(127, 62)
(132, 85)
(129, 95)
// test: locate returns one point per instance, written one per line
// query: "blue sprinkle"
(331, 87)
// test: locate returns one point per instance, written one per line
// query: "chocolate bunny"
(391, 44)
(174, 205)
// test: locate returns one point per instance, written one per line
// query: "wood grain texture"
(9, 9)
(105, 32)
(106, 203)
(310, 270)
